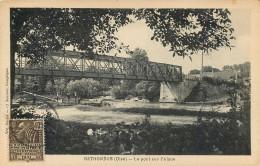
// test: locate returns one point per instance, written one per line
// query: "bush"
(149, 90)
(85, 88)
(230, 135)
(124, 89)
(49, 88)
(118, 92)
(216, 81)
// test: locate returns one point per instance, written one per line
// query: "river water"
(72, 114)
(191, 107)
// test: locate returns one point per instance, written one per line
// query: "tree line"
(244, 69)
(90, 88)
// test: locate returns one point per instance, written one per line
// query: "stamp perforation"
(27, 140)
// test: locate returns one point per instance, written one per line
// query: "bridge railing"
(76, 64)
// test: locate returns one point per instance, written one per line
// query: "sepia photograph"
(129, 84)
(101, 91)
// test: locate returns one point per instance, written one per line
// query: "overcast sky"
(139, 35)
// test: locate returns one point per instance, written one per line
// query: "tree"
(124, 89)
(244, 68)
(32, 84)
(139, 54)
(149, 90)
(188, 31)
(36, 31)
(60, 85)
(195, 71)
(119, 92)
(105, 84)
(84, 88)
(210, 69)
(227, 68)
(49, 88)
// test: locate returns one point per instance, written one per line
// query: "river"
(72, 114)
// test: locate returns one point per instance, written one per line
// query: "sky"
(139, 35)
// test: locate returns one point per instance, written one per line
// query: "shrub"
(85, 88)
(118, 92)
(49, 88)
(230, 135)
(149, 90)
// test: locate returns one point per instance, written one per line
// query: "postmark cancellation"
(26, 140)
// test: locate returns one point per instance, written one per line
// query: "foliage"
(230, 135)
(139, 54)
(32, 84)
(60, 85)
(208, 89)
(189, 31)
(195, 71)
(119, 92)
(210, 69)
(49, 88)
(197, 94)
(244, 68)
(85, 88)
(125, 88)
(148, 89)
(216, 81)
(36, 31)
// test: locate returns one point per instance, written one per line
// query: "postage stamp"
(26, 139)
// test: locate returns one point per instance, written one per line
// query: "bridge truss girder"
(77, 64)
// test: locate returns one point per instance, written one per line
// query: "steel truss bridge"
(78, 64)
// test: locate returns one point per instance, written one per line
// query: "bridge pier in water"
(176, 91)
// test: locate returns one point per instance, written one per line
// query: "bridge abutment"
(176, 91)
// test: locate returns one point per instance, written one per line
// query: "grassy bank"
(146, 138)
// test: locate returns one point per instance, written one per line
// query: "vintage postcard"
(130, 82)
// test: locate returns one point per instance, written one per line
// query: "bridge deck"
(77, 64)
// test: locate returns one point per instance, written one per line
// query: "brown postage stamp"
(26, 139)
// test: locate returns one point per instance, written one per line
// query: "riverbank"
(129, 112)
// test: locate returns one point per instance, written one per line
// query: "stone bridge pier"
(176, 91)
